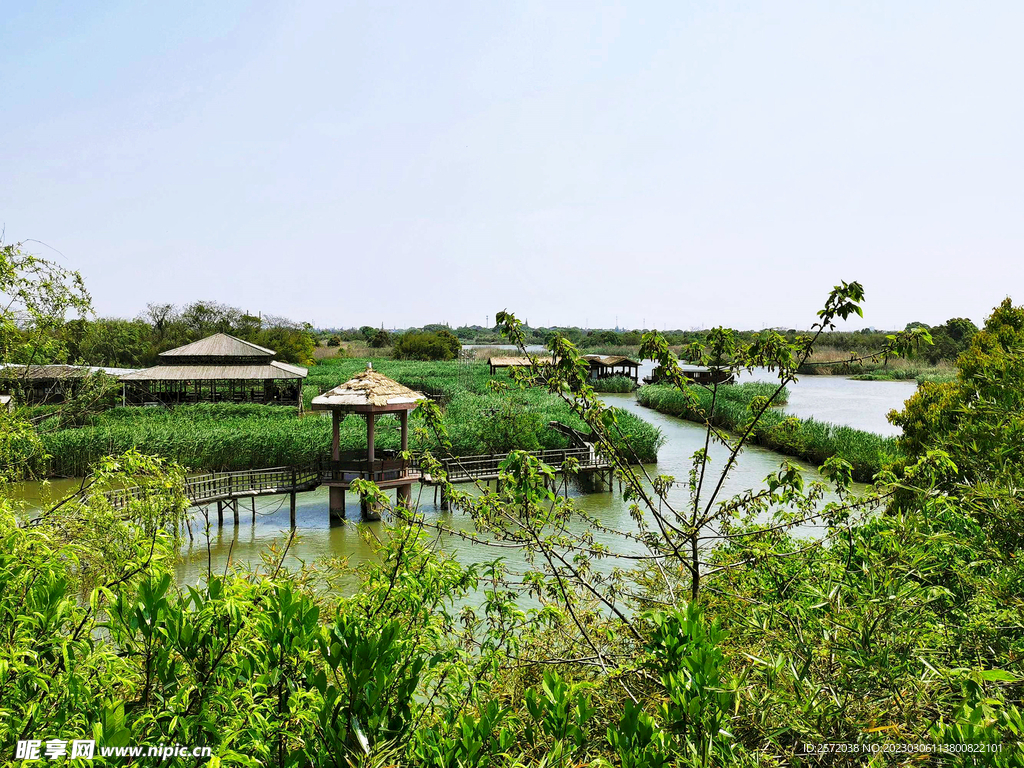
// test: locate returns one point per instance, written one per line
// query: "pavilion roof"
(58, 371)
(367, 390)
(612, 360)
(517, 362)
(240, 371)
(219, 345)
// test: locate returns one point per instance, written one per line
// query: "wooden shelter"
(612, 365)
(51, 383)
(219, 368)
(368, 394)
(499, 363)
(698, 374)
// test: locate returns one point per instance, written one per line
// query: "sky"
(640, 164)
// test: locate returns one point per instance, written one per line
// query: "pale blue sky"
(686, 164)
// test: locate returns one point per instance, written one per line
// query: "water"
(857, 403)
(837, 399)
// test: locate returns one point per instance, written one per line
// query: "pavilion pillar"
(404, 491)
(405, 495)
(336, 504)
(369, 440)
(336, 436)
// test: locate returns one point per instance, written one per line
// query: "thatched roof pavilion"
(604, 367)
(368, 394)
(218, 368)
(368, 391)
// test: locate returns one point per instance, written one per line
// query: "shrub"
(427, 345)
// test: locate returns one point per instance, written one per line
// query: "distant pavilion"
(612, 365)
(219, 368)
(368, 394)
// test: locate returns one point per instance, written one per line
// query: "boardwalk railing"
(222, 486)
(486, 467)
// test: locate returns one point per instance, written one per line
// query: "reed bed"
(894, 369)
(621, 384)
(938, 377)
(943, 371)
(223, 437)
(808, 439)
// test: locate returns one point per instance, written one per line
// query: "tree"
(36, 297)
(951, 339)
(420, 345)
(115, 342)
(159, 316)
(381, 339)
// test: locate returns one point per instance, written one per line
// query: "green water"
(317, 540)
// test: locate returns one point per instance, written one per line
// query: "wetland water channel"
(860, 404)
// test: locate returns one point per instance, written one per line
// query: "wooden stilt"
(253, 500)
(336, 504)
(220, 513)
(234, 506)
(368, 511)
(291, 514)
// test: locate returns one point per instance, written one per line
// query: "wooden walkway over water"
(226, 489)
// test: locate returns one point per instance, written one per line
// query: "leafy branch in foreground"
(711, 630)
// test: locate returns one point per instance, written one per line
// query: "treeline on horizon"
(137, 342)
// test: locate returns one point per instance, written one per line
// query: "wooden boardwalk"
(467, 469)
(230, 487)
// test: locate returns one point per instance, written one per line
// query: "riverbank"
(231, 437)
(833, 362)
(805, 438)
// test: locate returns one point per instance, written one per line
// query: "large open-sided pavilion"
(219, 368)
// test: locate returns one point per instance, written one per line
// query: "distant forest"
(133, 343)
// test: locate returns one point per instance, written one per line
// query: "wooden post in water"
(234, 507)
(404, 493)
(253, 500)
(220, 513)
(291, 511)
(336, 504)
(336, 495)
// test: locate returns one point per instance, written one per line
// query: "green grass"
(222, 436)
(809, 439)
